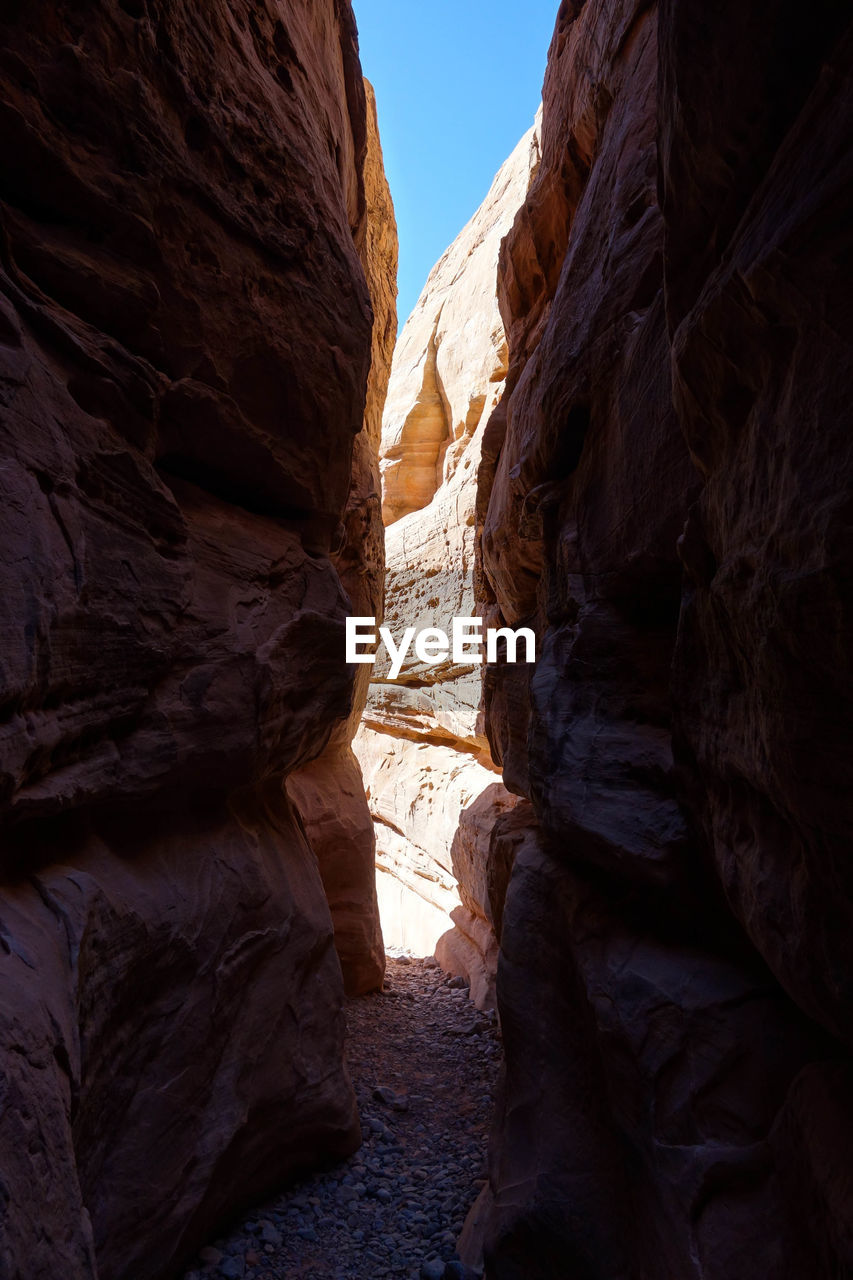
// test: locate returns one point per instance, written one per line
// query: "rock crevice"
(421, 744)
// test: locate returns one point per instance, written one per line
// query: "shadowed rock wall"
(185, 334)
(665, 496)
(329, 791)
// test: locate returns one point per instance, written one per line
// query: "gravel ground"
(424, 1064)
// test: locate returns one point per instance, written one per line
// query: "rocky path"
(424, 1063)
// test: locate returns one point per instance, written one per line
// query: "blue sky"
(457, 83)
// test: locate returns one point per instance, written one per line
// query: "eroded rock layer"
(185, 336)
(665, 496)
(422, 748)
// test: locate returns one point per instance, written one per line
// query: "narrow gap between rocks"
(423, 1052)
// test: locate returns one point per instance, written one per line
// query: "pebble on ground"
(424, 1064)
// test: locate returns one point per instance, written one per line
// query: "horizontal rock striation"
(421, 745)
(664, 496)
(185, 335)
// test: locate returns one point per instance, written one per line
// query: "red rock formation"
(762, 370)
(664, 495)
(184, 348)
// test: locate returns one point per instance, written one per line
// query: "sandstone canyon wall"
(185, 338)
(329, 790)
(432, 788)
(665, 495)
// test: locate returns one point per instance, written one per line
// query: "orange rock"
(329, 792)
(184, 349)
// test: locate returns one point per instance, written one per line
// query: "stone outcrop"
(329, 791)
(185, 336)
(423, 752)
(664, 495)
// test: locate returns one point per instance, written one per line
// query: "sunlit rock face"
(664, 496)
(329, 791)
(423, 752)
(450, 362)
(184, 349)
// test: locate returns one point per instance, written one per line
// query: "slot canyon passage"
(536, 972)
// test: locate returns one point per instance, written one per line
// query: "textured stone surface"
(640, 1090)
(433, 807)
(184, 349)
(763, 368)
(450, 361)
(329, 791)
(171, 1031)
(329, 795)
(421, 745)
(664, 495)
